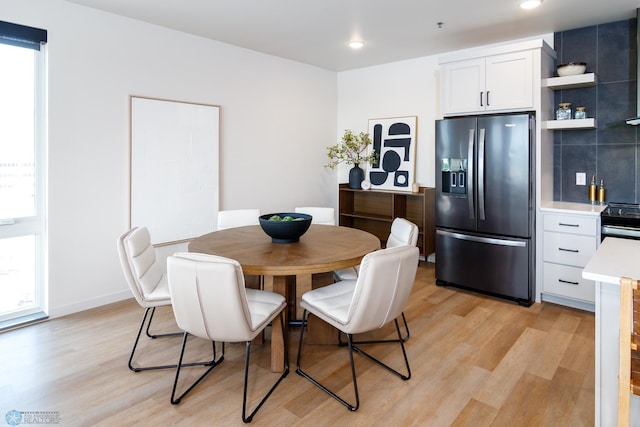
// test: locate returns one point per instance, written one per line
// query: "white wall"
(277, 117)
(405, 88)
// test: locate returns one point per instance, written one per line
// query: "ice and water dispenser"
(454, 176)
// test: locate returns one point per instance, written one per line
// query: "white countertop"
(572, 207)
(615, 258)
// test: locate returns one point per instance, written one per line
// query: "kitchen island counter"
(615, 258)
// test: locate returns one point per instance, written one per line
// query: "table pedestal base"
(318, 331)
(292, 287)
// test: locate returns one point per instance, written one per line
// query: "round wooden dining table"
(322, 249)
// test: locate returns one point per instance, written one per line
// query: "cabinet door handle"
(568, 282)
(481, 93)
(487, 98)
(569, 250)
(562, 224)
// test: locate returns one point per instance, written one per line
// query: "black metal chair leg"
(135, 345)
(406, 328)
(300, 372)
(154, 336)
(387, 367)
(212, 364)
(402, 338)
(352, 348)
(245, 418)
(248, 419)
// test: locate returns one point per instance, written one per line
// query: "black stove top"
(621, 220)
(628, 210)
(625, 214)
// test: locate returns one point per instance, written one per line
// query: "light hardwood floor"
(476, 361)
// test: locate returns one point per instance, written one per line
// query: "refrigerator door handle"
(479, 239)
(481, 212)
(470, 174)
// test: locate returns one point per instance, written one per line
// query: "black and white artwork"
(394, 139)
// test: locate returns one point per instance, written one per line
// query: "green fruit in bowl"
(286, 218)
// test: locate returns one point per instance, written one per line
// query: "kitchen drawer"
(569, 249)
(572, 224)
(568, 282)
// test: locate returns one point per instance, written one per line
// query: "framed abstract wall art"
(394, 139)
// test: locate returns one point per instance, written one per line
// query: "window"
(22, 172)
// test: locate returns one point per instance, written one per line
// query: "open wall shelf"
(589, 123)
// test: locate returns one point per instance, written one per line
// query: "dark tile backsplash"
(612, 151)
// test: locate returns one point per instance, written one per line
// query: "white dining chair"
(319, 215)
(210, 301)
(237, 218)
(403, 232)
(240, 218)
(322, 216)
(375, 299)
(147, 282)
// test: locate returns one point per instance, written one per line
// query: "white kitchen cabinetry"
(569, 241)
(493, 83)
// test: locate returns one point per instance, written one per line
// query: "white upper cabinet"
(463, 86)
(493, 83)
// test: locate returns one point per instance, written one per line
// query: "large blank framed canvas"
(174, 149)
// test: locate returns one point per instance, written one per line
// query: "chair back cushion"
(403, 232)
(383, 287)
(238, 218)
(210, 301)
(319, 215)
(143, 272)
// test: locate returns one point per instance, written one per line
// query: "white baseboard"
(89, 303)
(569, 302)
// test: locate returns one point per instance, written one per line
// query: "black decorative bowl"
(286, 230)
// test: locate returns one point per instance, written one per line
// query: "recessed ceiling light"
(356, 44)
(530, 4)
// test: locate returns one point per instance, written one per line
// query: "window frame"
(34, 39)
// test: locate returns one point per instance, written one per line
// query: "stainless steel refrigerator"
(485, 205)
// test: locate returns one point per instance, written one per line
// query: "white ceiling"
(317, 32)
